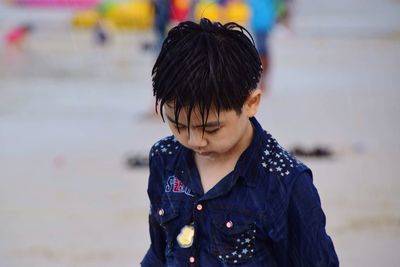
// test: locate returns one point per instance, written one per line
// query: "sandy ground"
(70, 114)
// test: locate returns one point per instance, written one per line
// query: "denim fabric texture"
(265, 213)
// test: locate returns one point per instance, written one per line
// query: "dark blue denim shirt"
(265, 213)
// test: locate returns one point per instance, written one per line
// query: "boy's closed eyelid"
(208, 127)
(212, 131)
(213, 128)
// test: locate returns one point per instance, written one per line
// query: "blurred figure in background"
(101, 36)
(162, 17)
(16, 36)
(161, 20)
(262, 21)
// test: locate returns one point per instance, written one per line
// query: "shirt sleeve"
(155, 256)
(309, 244)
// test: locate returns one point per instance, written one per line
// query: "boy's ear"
(252, 103)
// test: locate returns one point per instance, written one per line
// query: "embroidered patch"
(276, 159)
(167, 146)
(175, 185)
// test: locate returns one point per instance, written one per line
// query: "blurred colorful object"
(16, 36)
(58, 3)
(237, 11)
(207, 9)
(131, 15)
(105, 7)
(139, 14)
(86, 19)
(180, 10)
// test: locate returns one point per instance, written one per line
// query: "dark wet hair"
(206, 66)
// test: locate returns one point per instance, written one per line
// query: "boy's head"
(205, 69)
(206, 66)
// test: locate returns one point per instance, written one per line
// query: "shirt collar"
(246, 167)
(185, 169)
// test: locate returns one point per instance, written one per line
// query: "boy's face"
(223, 134)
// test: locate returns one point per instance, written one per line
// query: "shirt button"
(229, 224)
(199, 207)
(192, 259)
(161, 212)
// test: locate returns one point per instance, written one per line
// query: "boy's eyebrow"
(208, 124)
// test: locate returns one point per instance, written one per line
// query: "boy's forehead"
(170, 106)
(195, 115)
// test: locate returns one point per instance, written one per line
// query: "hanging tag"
(185, 237)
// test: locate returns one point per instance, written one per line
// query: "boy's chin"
(206, 155)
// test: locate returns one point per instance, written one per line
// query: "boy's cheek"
(181, 137)
(175, 132)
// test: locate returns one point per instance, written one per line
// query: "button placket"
(199, 208)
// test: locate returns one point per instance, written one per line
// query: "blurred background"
(76, 121)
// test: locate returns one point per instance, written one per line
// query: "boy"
(223, 192)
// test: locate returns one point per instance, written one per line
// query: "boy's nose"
(196, 139)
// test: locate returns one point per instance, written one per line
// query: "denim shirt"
(265, 213)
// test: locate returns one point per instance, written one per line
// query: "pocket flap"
(165, 213)
(233, 226)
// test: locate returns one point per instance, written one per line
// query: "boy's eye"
(212, 131)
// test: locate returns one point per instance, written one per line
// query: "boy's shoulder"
(279, 169)
(166, 147)
(277, 160)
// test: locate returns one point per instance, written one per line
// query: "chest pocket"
(233, 239)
